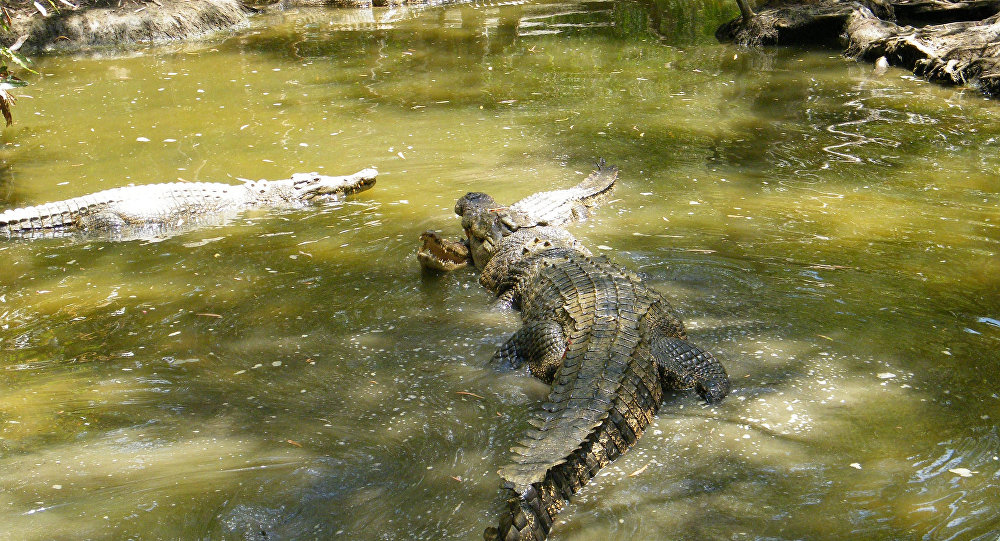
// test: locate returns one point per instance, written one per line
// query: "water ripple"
(856, 139)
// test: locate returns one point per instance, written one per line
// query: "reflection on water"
(833, 235)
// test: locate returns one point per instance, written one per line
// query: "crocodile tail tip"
(528, 515)
(603, 167)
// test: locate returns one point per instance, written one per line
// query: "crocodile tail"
(529, 514)
(601, 181)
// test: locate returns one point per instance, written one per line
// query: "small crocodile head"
(482, 224)
(315, 187)
(438, 253)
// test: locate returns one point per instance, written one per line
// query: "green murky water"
(832, 235)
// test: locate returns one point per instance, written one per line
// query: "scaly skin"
(155, 209)
(609, 346)
(560, 207)
(556, 207)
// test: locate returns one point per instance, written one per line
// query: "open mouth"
(360, 186)
(438, 253)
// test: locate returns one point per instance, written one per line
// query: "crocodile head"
(315, 187)
(481, 220)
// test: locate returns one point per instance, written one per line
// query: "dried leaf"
(640, 470)
(467, 393)
(41, 9)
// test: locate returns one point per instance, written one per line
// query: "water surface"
(830, 234)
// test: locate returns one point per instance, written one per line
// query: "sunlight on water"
(830, 234)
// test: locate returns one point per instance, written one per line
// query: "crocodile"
(155, 209)
(609, 345)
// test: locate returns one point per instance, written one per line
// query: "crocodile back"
(559, 207)
(129, 205)
(599, 307)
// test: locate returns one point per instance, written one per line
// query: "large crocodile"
(608, 344)
(154, 209)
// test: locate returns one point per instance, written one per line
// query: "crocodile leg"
(103, 220)
(684, 365)
(507, 301)
(538, 342)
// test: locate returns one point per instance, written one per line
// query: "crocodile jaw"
(314, 186)
(441, 254)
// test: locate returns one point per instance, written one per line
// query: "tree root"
(812, 23)
(955, 51)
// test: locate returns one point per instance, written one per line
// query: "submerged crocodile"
(609, 345)
(154, 209)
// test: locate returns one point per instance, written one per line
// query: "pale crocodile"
(156, 209)
(609, 345)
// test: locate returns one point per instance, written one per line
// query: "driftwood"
(961, 47)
